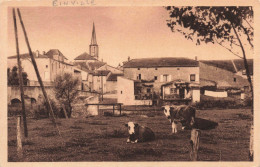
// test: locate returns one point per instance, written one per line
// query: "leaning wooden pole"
(37, 72)
(20, 76)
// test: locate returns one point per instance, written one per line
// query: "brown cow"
(139, 133)
(183, 113)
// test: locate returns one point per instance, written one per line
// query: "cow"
(183, 113)
(139, 133)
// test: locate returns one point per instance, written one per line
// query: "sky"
(121, 32)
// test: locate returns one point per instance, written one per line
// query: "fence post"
(113, 109)
(120, 108)
(19, 138)
(251, 146)
(194, 141)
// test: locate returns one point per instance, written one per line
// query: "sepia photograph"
(130, 83)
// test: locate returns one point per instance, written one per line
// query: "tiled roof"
(101, 73)
(52, 52)
(95, 65)
(85, 56)
(82, 65)
(26, 55)
(228, 65)
(113, 77)
(161, 62)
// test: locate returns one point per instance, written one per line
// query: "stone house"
(49, 64)
(162, 73)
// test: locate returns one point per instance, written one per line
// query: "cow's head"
(166, 110)
(131, 127)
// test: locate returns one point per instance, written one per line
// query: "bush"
(43, 110)
(221, 103)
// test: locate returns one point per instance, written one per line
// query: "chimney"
(128, 58)
(43, 52)
(196, 58)
(37, 53)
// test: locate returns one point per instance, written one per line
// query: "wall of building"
(125, 93)
(111, 86)
(174, 73)
(48, 69)
(97, 83)
(222, 77)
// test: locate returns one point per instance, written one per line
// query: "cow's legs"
(184, 124)
(174, 127)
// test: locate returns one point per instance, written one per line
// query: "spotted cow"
(139, 133)
(183, 113)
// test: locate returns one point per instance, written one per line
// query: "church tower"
(93, 47)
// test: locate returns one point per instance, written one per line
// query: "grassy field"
(104, 139)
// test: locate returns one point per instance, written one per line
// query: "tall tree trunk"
(251, 151)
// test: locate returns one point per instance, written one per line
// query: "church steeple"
(93, 47)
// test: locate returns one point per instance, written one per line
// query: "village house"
(49, 64)
(111, 83)
(100, 81)
(227, 73)
(170, 78)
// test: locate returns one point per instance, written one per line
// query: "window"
(192, 77)
(121, 92)
(173, 91)
(178, 68)
(46, 66)
(235, 79)
(165, 78)
(148, 90)
(139, 76)
(156, 69)
(138, 68)
(155, 77)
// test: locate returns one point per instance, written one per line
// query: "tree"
(66, 90)
(13, 79)
(229, 27)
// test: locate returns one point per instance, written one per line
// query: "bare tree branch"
(248, 38)
(228, 49)
(249, 24)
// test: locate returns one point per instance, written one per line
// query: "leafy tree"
(13, 77)
(229, 27)
(66, 90)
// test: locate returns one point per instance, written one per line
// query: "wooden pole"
(20, 76)
(19, 138)
(194, 141)
(37, 72)
(64, 110)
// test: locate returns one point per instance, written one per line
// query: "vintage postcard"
(151, 83)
